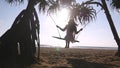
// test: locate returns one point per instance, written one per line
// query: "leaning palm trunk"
(29, 25)
(110, 21)
(24, 32)
(29, 34)
(116, 37)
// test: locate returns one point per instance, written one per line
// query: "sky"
(96, 33)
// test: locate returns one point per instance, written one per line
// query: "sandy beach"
(77, 58)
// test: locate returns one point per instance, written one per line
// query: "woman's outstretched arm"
(63, 29)
(79, 31)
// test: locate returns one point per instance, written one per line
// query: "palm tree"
(110, 21)
(116, 4)
(114, 31)
(82, 13)
(24, 32)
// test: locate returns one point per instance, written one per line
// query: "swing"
(59, 32)
(60, 35)
(63, 38)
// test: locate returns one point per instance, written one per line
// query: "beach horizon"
(82, 47)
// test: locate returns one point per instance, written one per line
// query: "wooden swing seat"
(64, 39)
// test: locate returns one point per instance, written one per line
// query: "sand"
(77, 58)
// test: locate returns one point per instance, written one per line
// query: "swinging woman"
(70, 33)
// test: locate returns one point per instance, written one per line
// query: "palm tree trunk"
(115, 34)
(30, 27)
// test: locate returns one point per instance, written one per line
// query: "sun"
(62, 17)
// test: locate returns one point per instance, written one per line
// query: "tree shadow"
(80, 63)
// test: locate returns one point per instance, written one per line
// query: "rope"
(55, 25)
(98, 11)
(87, 24)
(81, 28)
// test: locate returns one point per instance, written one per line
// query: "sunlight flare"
(62, 17)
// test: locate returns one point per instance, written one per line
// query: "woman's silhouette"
(70, 33)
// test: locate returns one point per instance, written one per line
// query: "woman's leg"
(67, 44)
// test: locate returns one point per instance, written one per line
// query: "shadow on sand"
(80, 63)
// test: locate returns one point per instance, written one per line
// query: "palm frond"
(43, 4)
(84, 13)
(54, 7)
(14, 1)
(67, 2)
(75, 10)
(87, 14)
(116, 4)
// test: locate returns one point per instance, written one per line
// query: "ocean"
(84, 47)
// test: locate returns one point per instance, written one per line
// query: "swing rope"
(55, 25)
(82, 28)
(87, 24)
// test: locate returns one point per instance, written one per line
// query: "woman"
(70, 33)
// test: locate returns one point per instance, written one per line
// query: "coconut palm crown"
(79, 12)
(116, 4)
(83, 13)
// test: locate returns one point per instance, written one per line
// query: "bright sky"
(97, 33)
